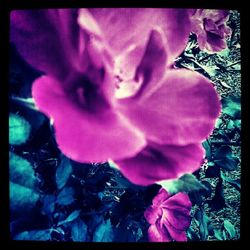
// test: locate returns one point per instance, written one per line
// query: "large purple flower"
(211, 28)
(111, 90)
(169, 217)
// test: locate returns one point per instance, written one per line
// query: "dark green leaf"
(79, 231)
(65, 197)
(63, 172)
(208, 191)
(74, 215)
(232, 107)
(192, 236)
(230, 228)
(22, 199)
(207, 147)
(19, 129)
(186, 183)
(103, 232)
(43, 235)
(218, 201)
(225, 159)
(48, 204)
(219, 235)
(21, 171)
(235, 183)
(203, 223)
(212, 171)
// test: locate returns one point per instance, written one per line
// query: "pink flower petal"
(152, 213)
(157, 162)
(156, 234)
(182, 109)
(85, 133)
(123, 27)
(160, 197)
(49, 40)
(179, 200)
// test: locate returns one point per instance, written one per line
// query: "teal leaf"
(74, 215)
(230, 228)
(225, 159)
(235, 183)
(48, 204)
(232, 107)
(207, 147)
(79, 231)
(63, 172)
(219, 235)
(65, 197)
(21, 172)
(203, 223)
(186, 183)
(40, 235)
(22, 199)
(19, 129)
(104, 232)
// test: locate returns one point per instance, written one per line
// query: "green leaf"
(225, 159)
(230, 228)
(63, 172)
(203, 223)
(186, 183)
(48, 204)
(104, 232)
(74, 215)
(19, 129)
(232, 107)
(79, 231)
(21, 171)
(41, 235)
(22, 199)
(235, 183)
(65, 197)
(219, 235)
(207, 147)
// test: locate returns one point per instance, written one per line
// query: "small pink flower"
(111, 90)
(169, 217)
(211, 28)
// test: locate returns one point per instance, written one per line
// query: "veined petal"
(123, 27)
(158, 162)
(85, 133)
(157, 234)
(182, 109)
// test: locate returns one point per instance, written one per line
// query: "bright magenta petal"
(83, 134)
(160, 197)
(151, 214)
(182, 110)
(156, 163)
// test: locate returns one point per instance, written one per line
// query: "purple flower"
(169, 217)
(112, 92)
(210, 28)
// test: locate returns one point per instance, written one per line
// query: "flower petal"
(157, 162)
(50, 40)
(86, 134)
(123, 27)
(160, 197)
(151, 214)
(156, 234)
(182, 110)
